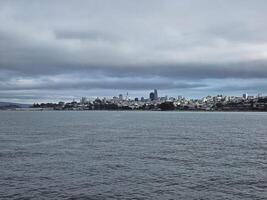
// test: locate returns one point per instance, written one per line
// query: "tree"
(167, 106)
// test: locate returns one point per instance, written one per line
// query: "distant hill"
(10, 105)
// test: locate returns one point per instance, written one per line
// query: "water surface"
(133, 155)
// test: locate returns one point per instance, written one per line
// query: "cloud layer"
(62, 49)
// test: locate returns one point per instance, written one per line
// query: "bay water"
(133, 155)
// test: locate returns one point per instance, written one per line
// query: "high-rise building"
(155, 94)
(152, 96)
(120, 97)
(245, 96)
(83, 100)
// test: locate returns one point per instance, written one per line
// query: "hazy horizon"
(130, 96)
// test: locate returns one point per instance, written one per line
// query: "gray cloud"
(171, 45)
(79, 81)
(86, 35)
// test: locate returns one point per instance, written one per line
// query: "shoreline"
(197, 111)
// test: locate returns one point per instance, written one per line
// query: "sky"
(56, 50)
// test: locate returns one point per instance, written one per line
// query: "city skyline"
(155, 103)
(58, 50)
(152, 95)
(131, 96)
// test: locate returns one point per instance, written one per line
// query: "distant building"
(120, 97)
(83, 100)
(142, 99)
(245, 96)
(61, 103)
(179, 97)
(152, 96)
(155, 94)
(172, 99)
(115, 99)
(136, 99)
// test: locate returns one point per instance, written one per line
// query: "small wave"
(18, 154)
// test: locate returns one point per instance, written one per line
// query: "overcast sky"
(63, 49)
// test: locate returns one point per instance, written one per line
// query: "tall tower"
(155, 94)
(120, 97)
(152, 96)
(127, 96)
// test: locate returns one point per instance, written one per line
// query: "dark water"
(133, 155)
